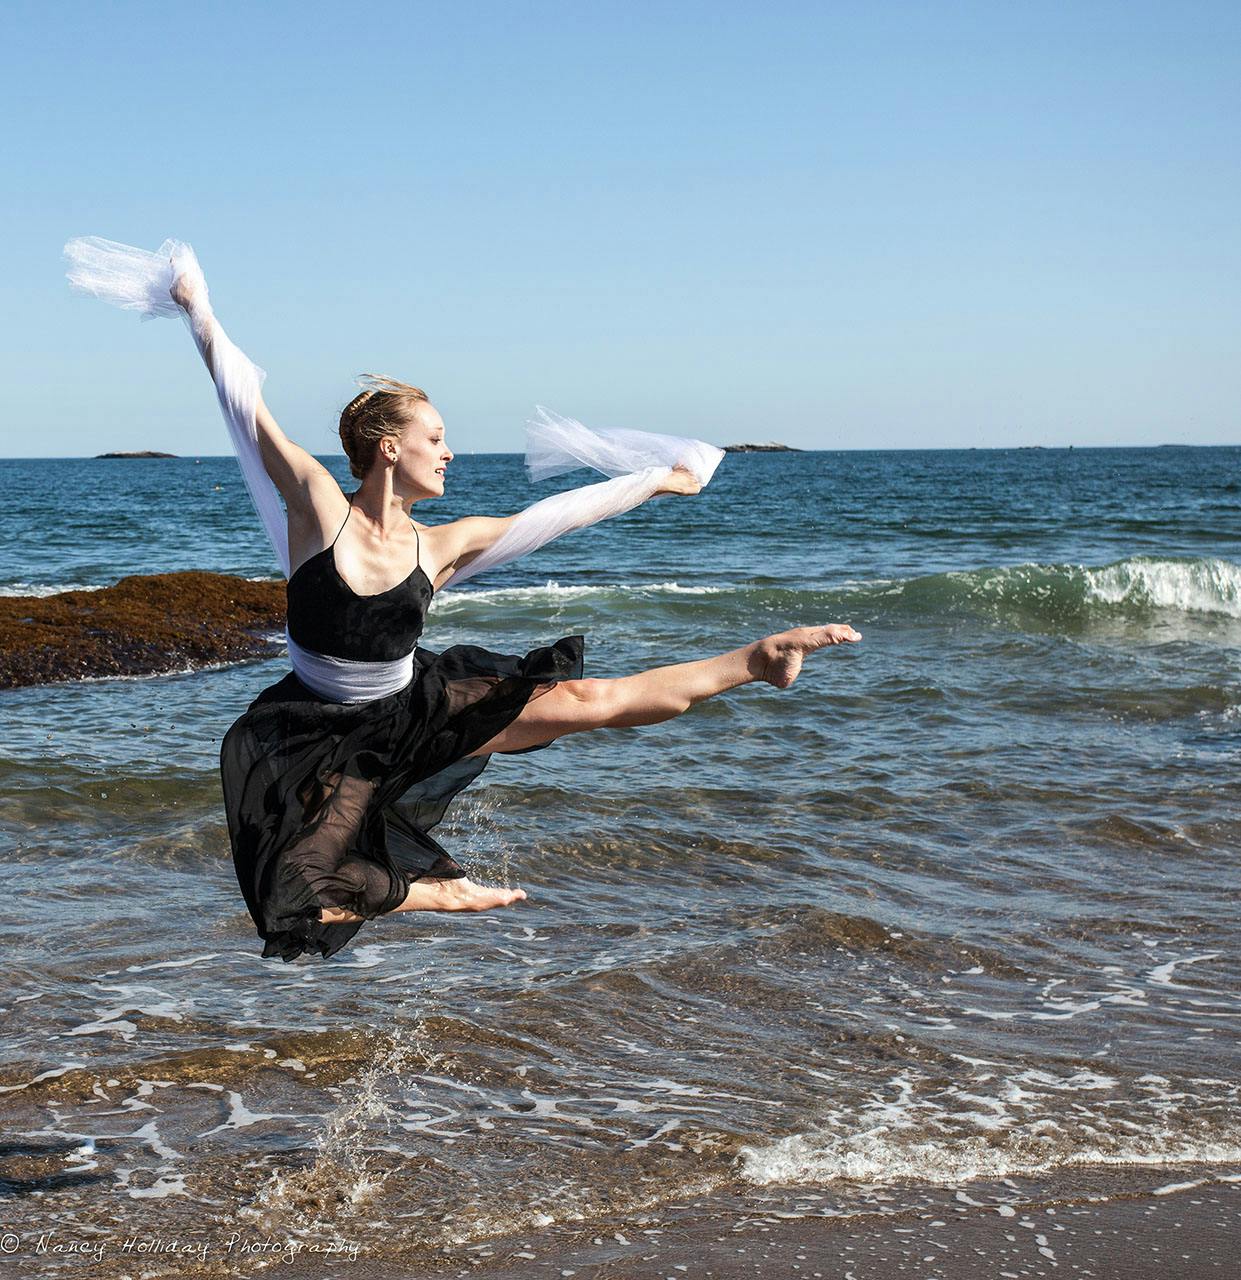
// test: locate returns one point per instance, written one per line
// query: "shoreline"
(145, 624)
(1143, 1235)
(1186, 1230)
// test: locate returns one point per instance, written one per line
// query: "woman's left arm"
(476, 543)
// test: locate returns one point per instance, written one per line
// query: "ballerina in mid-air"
(334, 776)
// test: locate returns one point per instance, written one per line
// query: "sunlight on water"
(954, 917)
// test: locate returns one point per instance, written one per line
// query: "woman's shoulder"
(314, 524)
(441, 529)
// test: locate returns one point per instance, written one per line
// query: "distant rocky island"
(141, 453)
(770, 447)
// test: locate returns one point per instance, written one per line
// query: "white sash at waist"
(348, 680)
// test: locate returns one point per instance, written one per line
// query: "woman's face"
(422, 454)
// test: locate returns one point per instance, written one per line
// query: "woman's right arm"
(302, 480)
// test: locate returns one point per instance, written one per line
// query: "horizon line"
(510, 453)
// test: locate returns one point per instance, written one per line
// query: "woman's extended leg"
(664, 692)
(646, 698)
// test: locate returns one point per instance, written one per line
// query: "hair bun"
(383, 408)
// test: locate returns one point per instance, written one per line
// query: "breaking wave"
(1054, 592)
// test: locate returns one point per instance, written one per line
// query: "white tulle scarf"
(638, 462)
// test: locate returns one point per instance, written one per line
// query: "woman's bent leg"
(430, 894)
(663, 692)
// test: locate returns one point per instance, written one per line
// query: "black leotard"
(327, 616)
(331, 804)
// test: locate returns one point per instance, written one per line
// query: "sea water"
(956, 914)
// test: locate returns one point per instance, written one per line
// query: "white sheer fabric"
(555, 445)
(137, 280)
(638, 461)
(347, 679)
(561, 513)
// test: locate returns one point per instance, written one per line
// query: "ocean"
(953, 921)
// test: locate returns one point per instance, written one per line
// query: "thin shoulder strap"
(344, 522)
(417, 544)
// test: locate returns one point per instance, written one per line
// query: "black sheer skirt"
(330, 804)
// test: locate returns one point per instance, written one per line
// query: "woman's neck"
(388, 510)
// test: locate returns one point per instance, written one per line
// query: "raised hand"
(681, 480)
(184, 289)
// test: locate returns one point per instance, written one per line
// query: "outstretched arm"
(477, 543)
(292, 470)
(169, 282)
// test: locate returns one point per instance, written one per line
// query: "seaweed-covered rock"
(144, 624)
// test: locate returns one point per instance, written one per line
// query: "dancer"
(334, 776)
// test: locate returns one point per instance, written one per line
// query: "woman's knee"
(593, 702)
(572, 706)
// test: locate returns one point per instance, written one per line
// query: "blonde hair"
(383, 408)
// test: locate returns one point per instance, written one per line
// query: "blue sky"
(838, 225)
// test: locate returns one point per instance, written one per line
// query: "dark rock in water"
(141, 453)
(769, 447)
(141, 626)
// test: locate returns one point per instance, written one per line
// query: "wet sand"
(1182, 1234)
(1186, 1235)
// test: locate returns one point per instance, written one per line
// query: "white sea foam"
(111, 1020)
(241, 1117)
(1171, 1188)
(1162, 974)
(364, 956)
(552, 591)
(1190, 586)
(878, 1157)
(46, 588)
(1205, 586)
(1005, 1126)
(1211, 586)
(45, 1075)
(171, 964)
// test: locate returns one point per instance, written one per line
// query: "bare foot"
(462, 894)
(778, 659)
(433, 894)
